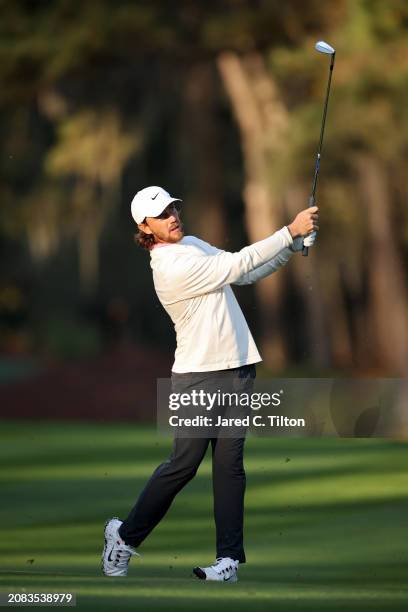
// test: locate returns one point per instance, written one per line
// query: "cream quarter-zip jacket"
(192, 280)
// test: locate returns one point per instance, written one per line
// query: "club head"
(323, 47)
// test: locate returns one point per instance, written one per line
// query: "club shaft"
(326, 104)
(305, 250)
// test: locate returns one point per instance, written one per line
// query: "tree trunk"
(307, 278)
(88, 244)
(262, 120)
(88, 225)
(203, 141)
(388, 305)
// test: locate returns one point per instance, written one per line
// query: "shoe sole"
(201, 575)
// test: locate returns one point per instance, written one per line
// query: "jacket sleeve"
(271, 266)
(191, 275)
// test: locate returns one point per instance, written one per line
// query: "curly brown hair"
(146, 241)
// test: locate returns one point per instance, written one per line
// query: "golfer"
(193, 282)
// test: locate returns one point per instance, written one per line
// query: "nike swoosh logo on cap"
(154, 197)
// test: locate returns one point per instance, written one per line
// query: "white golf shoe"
(224, 569)
(116, 553)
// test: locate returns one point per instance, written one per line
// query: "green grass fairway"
(326, 521)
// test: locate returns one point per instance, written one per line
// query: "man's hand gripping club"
(303, 228)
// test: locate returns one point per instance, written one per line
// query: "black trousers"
(228, 473)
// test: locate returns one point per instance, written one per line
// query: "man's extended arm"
(271, 266)
(282, 258)
(190, 275)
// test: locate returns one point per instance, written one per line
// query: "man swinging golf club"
(193, 282)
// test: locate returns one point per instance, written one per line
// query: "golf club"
(322, 47)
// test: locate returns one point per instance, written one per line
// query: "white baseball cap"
(150, 202)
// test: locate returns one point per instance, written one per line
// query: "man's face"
(167, 227)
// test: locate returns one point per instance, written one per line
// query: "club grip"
(312, 202)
